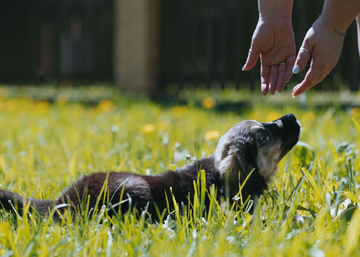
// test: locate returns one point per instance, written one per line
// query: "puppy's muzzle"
(287, 129)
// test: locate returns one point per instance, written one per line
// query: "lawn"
(51, 137)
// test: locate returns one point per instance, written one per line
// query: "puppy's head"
(253, 145)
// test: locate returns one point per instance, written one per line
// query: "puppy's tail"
(14, 202)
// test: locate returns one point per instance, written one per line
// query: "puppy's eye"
(263, 137)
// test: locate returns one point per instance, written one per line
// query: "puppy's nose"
(286, 122)
(288, 118)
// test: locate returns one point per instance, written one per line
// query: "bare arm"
(340, 13)
(274, 42)
(324, 40)
(358, 31)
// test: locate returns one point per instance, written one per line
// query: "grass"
(47, 146)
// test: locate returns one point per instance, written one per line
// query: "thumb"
(251, 60)
(302, 58)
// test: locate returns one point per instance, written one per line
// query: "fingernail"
(296, 69)
(243, 68)
(264, 89)
(287, 81)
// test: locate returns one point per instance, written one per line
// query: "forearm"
(358, 30)
(340, 13)
(272, 9)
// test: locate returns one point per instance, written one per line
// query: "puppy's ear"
(245, 165)
(228, 163)
(222, 148)
(233, 163)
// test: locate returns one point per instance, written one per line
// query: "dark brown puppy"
(247, 146)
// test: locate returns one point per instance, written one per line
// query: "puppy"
(249, 146)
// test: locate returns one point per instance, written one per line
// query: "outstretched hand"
(274, 42)
(325, 46)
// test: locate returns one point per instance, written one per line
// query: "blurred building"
(145, 45)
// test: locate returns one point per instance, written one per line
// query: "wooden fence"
(54, 39)
(202, 43)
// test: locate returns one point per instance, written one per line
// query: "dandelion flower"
(212, 135)
(355, 112)
(106, 105)
(272, 116)
(148, 128)
(208, 103)
(178, 111)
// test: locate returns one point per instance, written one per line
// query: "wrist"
(337, 28)
(339, 14)
(274, 9)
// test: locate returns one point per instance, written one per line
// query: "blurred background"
(149, 46)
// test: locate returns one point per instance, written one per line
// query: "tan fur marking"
(229, 164)
(255, 127)
(268, 157)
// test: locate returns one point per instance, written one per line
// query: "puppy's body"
(247, 146)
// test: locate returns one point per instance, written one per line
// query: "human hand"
(325, 46)
(273, 40)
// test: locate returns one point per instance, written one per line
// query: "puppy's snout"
(287, 119)
(290, 133)
(290, 117)
(288, 122)
(285, 122)
(287, 128)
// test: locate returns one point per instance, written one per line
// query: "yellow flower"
(212, 135)
(272, 116)
(148, 128)
(355, 112)
(208, 103)
(256, 115)
(106, 105)
(178, 111)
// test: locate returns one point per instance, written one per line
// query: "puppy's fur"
(247, 146)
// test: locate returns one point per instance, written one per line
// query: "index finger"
(313, 76)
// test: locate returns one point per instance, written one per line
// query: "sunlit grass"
(47, 146)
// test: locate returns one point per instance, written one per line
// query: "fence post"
(136, 45)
